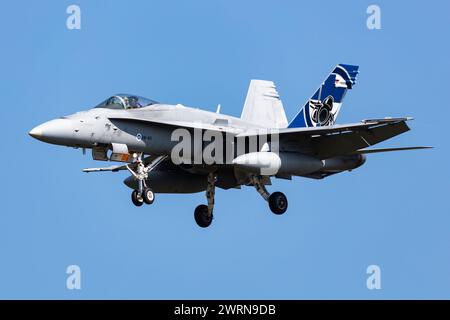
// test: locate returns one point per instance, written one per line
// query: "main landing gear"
(278, 202)
(143, 194)
(203, 214)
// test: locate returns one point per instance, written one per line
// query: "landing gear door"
(120, 153)
(100, 153)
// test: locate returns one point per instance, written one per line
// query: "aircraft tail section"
(263, 105)
(323, 107)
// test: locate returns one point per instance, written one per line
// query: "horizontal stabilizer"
(366, 151)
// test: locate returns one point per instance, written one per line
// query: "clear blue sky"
(393, 212)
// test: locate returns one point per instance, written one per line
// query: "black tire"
(202, 217)
(135, 199)
(148, 195)
(278, 203)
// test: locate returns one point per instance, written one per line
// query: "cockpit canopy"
(126, 101)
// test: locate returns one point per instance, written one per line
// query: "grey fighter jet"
(178, 149)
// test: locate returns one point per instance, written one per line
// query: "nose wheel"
(147, 197)
(136, 198)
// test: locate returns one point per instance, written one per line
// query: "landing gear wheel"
(148, 196)
(136, 199)
(278, 203)
(202, 217)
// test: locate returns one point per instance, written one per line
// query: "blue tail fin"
(323, 107)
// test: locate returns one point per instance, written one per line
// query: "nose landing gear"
(143, 194)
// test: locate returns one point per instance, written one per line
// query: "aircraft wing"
(330, 141)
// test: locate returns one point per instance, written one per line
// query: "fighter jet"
(179, 149)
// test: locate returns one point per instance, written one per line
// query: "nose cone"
(58, 131)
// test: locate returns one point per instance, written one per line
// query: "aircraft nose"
(55, 131)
